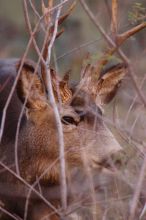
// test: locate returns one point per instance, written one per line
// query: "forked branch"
(48, 20)
(59, 91)
(51, 80)
(119, 38)
(113, 44)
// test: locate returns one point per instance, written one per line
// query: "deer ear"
(30, 88)
(109, 81)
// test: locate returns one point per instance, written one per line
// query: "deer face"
(86, 138)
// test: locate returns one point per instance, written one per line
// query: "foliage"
(137, 13)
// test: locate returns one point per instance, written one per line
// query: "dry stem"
(114, 25)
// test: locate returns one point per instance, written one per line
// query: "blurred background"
(126, 115)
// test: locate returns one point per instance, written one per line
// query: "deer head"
(88, 143)
(81, 117)
(87, 140)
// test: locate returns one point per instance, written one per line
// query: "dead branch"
(114, 25)
(138, 191)
(121, 38)
(58, 121)
(113, 47)
(30, 187)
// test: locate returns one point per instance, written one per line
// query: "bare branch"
(59, 125)
(114, 25)
(2, 209)
(138, 190)
(47, 47)
(46, 11)
(63, 17)
(12, 91)
(43, 57)
(121, 38)
(29, 186)
(115, 47)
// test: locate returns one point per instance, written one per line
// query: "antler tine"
(115, 42)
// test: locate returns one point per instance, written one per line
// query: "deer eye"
(68, 120)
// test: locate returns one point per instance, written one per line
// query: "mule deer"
(88, 143)
(81, 116)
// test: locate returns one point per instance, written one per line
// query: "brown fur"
(87, 140)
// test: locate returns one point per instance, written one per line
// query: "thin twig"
(12, 91)
(29, 186)
(9, 214)
(115, 48)
(34, 9)
(138, 189)
(78, 48)
(52, 99)
(121, 38)
(57, 117)
(16, 79)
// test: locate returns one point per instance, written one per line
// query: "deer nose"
(115, 160)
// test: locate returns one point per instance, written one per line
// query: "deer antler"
(92, 80)
(59, 86)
